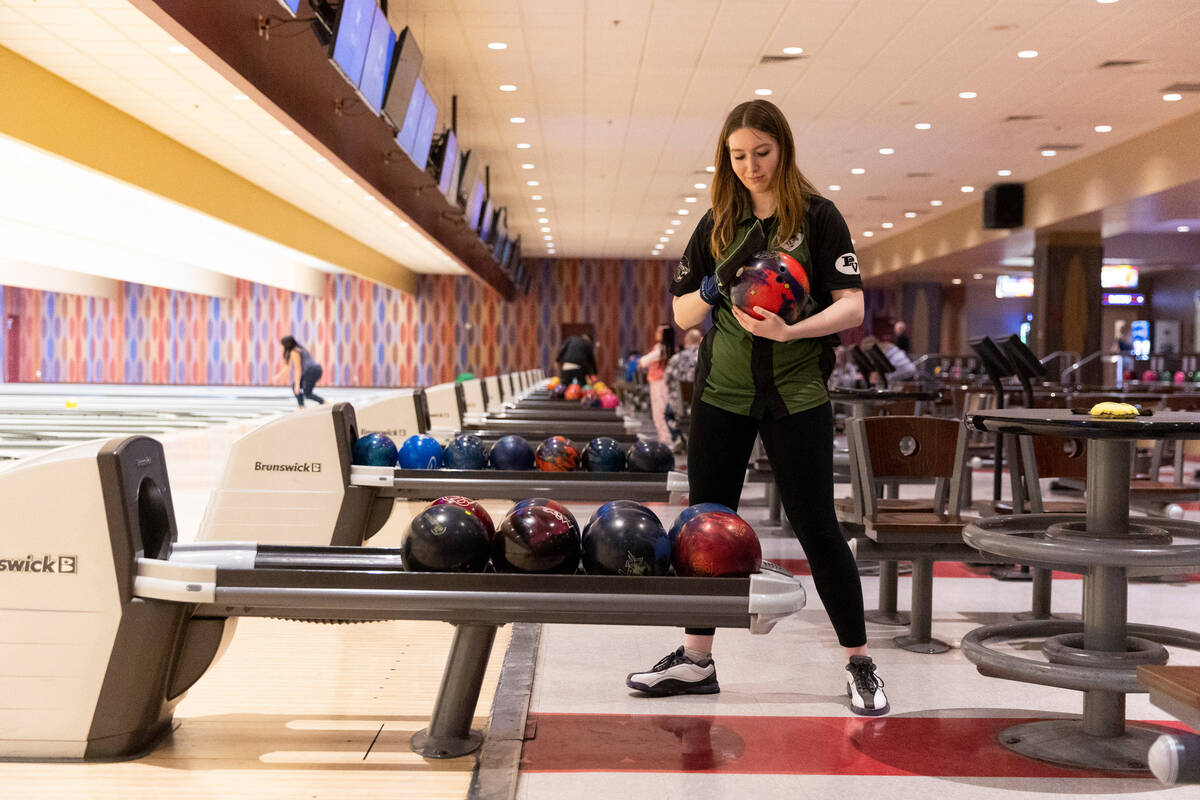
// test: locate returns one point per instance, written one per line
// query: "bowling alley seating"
(1176, 402)
(905, 448)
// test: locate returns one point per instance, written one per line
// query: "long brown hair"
(731, 198)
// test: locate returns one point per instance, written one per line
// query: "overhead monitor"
(485, 222)
(291, 5)
(407, 137)
(378, 60)
(1118, 276)
(512, 255)
(475, 205)
(500, 230)
(429, 115)
(350, 35)
(405, 68)
(448, 167)
(1014, 286)
(472, 172)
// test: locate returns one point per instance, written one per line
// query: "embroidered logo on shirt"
(682, 270)
(792, 243)
(847, 264)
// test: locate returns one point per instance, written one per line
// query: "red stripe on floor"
(954, 569)
(939, 747)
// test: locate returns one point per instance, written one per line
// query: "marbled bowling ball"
(536, 539)
(472, 506)
(465, 451)
(716, 544)
(626, 541)
(692, 511)
(373, 450)
(613, 505)
(604, 454)
(650, 456)
(548, 503)
(556, 454)
(511, 452)
(773, 280)
(446, 538)
(420, 451)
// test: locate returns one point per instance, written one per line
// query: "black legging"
(308, 379)
(800, 449)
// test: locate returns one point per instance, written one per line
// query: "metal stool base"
(446, 746)
(1063, 742)
(881, 617)
(926, 646)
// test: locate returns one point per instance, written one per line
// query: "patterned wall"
(363, 333)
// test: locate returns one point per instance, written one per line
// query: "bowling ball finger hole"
(909, 446)
(1072, 448)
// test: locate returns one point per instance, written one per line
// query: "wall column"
(1066, 295)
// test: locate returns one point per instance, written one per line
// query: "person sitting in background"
(680, 367)
(900, 329)
(844, 373)
(905, 369)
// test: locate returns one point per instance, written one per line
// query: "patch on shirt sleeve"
(847, 264)
(682, 269)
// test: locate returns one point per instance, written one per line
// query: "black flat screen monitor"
(351, 32)
(475, 205)
(995, 363)
(1022, 358)
(448, 169)
(405, 68)
(501, 231)
(407, 138)
(521, 277)
(379, 58)
(512, 255)
(485, 222)
(429, 115)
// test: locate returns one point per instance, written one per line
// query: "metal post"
(449, 734)
(1108, 487)
(919, 638)
(773, 504)
(1042, 583)
(887, 614)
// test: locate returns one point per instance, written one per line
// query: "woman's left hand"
(771, 326)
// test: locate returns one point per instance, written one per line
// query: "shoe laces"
(669, 660)
(865, 679)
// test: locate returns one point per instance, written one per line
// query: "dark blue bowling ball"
(374, 450)
(650, 457)
(446, 538)
(603, 454)
(612, 505)
(420, 451)
(626, 541)
(511, 452)
(693, 510)
(548, 503)
(465, 451)
(536, 539)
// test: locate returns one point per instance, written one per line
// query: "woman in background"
(305, 371)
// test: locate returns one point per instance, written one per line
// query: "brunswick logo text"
(41, 565)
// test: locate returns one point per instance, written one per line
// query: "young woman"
(654, 363)
(767, 378)
(305, 372)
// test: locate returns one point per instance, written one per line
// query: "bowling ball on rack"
(465, 451)
(472, 507)
(592, 401)
(600, 387)
(609, 400)
(1180, 376)
(420, 451)
(692, 511)
(511, 452)
(573, 392)
(613, 505)
(716, 544)
(773, 280)
(603, 454)
(1149, 376)
(559, 392)
(626, 541)
(446, 538)
(548, 503)
(556, 454)
(536, 539)
(373, 450)
(553, 383)
(650, 456)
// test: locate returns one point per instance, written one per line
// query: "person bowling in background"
(305, 371)
(765, 378)
(654, 363)
(576, 360)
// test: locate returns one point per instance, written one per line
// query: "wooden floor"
(292, 710)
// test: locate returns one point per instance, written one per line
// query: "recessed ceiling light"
(978, 276)
(886, 151)
(1027, 54)
(834, 187)
(347, 180)
(240, 96)
(689, 199)
(1171, 97)
(322, 160)
(535, 197)
(956, 281)
(507, 87)
(532, 183)
(545, 230)
(654, 252)
(658, 247)
(523, 145)
(388, 212)
(676, 222)
(868, 233)
(664, 239)
(1105, 2)
(683, 212)
(497, 46)
(548, 238)
(887, 225)
(527, 166)
(540, 209)
(710, 168)
(858, 171)
(923, 126)
(543, 219)
(403, 224)
(368, 197)
(935, 202)
(763, 92)
(968, 95)
(1103, 129)
(177, 48)
(669, 231)
(966, 189)
(286, 133)
(516, 120)
(1183, 229)
(910, 214)
(699, 185)
(1004, 173)
(793, 51)
(1049, 153)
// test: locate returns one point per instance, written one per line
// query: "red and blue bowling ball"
(446, 538)
(556, 454)
(420, 451)
(548, 503)
(511, 452)
(651, 456)
(774, 281)
(465, 451)
(373, 450)
(716, 544)
(472, 507)
(626, 541)
(612, 505)
(604, 454)
(536, 539)
(692, 511)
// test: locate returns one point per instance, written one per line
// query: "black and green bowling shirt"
(750, 375)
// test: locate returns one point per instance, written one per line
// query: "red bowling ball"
(716, 544)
